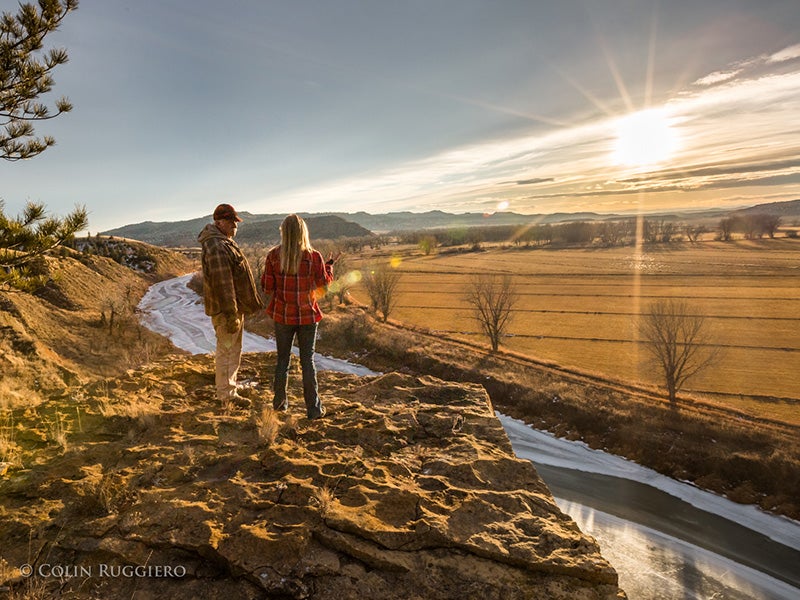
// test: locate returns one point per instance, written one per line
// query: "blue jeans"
(306, 340)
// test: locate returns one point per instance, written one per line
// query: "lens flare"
(352, 277)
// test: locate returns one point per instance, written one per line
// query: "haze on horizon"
(458, 105)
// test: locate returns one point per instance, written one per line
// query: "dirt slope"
(81, 324)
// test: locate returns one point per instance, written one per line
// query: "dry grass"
(268, 426)
(45, 349)
(33, 588)
(143, 411)
(323, 499)
(580, 308)
(112, 492)
(58, 429)
(271, 425)
(9, 450)
(7, 571)
(14, 394)
(190, 452)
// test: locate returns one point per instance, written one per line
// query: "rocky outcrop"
(408, 488)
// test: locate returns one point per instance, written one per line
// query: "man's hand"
(232, 323)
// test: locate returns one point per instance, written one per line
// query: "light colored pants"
(228, 356)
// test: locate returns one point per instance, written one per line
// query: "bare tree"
(344, 278)
(428, 243)
(613, 233)
(381, 282)
(492, 297)
(770, 223)
(726, 227)
(677, 341)
(751, 227)
(693, 232)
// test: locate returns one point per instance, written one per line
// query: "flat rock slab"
(407, 488)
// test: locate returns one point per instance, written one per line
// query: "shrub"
(349, 330)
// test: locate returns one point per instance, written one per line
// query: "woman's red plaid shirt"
(294, 297)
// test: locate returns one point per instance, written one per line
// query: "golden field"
(580, 308)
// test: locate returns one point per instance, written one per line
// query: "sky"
(531, 106)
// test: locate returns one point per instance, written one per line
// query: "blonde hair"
(294, 242)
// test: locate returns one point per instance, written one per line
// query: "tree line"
(754, 226)
(623, 232)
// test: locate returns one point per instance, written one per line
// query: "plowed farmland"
(581, 308)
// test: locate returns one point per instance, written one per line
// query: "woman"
(294, 274)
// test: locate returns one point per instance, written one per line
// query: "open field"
(580, 308)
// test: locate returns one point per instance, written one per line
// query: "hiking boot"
(321, 414)
(240, 401)
(246, 389)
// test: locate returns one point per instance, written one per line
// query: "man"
(230, 293)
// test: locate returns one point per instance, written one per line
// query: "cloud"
(717, 77)
(692, 186)
(789, 53)
(711, 170)
(751, 65)
(533, 181)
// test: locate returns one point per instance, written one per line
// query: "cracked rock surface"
(407, 488)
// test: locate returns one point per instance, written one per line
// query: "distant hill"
(256, 228)
(177, 233)
(778, 209)
(323, 227)
(435, 219)
(264, 228)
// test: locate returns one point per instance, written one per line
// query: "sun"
(645, 138)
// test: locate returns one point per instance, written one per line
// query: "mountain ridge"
(263, 227)
(254, 229)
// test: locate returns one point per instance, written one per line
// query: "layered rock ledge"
(408, 488)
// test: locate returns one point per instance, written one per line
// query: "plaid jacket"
(294, 297)
(228, 284)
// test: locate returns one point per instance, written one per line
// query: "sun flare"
(645, 138)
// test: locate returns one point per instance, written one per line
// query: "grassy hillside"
(82, 323)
